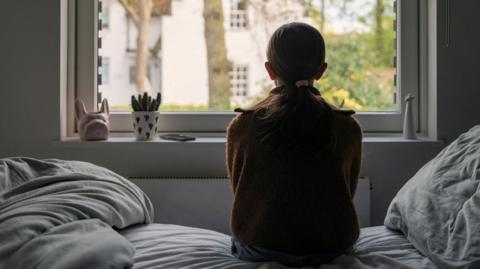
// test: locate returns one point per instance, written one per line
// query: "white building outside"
(180, 69)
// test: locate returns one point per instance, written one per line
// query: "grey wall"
(458, 68)
(30, 71)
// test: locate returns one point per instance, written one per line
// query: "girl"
(293, 161)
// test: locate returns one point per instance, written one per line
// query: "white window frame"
(83, 75)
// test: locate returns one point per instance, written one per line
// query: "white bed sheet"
(172, 246)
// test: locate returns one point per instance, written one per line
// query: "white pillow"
(438, 209)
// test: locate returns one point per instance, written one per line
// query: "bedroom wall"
(458, 71)
(30, 68)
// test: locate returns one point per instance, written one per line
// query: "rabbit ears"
(80, 110)
(104, 107)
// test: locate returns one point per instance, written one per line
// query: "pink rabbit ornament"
(92, 125)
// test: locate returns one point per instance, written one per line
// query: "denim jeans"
(257, 254)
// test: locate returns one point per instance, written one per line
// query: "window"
(153, 72)
(239, 80)
(238, 14)
(371, 66)
(239, 85)
(132, 71)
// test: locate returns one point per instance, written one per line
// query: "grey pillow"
(438, 209)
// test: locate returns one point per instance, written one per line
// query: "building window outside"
(239, 80)
(131, 73)
(104, 70)
(105, 16)
(238, 14)
(132, 70)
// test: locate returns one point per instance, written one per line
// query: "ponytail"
(294, 122)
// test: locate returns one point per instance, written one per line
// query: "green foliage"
(145, 102)
(360, 73)
(352, 79)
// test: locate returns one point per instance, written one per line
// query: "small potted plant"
(145, 115)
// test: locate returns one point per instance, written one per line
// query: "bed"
(71, 214)
(173, 246)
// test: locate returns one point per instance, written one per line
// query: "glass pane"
(209, 55)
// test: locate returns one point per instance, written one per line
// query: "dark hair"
(293, 121)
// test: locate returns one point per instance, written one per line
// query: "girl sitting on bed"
(293, 161)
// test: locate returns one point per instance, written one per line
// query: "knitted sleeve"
(234, 134)
(356, 156)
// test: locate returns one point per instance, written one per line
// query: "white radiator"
(206, 202)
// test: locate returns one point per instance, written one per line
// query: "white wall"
(30, 107)
(184, 66)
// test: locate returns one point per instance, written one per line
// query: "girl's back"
(294, 206)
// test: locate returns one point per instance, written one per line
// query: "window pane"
(208, 55)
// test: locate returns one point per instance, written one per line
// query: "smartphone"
(177, 137)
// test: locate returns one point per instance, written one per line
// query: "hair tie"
(301, 83)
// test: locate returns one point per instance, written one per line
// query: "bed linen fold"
(63, 214)
(438, 209)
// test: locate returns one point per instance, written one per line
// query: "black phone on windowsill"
(177, 137)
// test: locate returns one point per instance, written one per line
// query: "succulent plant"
(145, 102)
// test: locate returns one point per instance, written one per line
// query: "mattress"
(172, 246)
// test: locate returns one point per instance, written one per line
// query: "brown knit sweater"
(294, 208)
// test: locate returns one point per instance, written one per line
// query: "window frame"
(83, 76)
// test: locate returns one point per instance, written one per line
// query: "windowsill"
(396, 137)
(131, 139)
(219, 138)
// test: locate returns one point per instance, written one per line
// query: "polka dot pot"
(145, 124)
